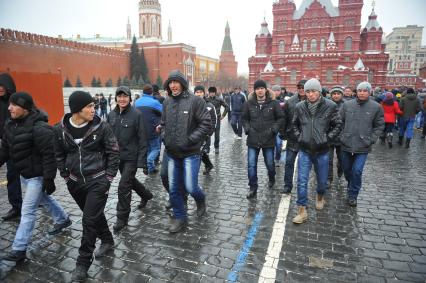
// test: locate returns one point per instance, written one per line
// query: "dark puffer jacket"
(28, 143)
(129, 129)
(289, 107)
(97, 154)
(185, 122)
(262, 122)
(315, 132)
(410, 105)
(7, 82)
(218, 102)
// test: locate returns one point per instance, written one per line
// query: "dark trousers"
(205, 153)
(14, 193)
(236, 123)
(290, 158)
(338, 150)
(128, 182)
(91, 197)
(217, 133)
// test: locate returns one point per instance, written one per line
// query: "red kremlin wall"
(26, 52)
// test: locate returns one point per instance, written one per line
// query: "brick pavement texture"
(382, 240)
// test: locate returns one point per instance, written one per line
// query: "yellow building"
(206, 70)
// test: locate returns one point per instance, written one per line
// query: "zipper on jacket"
(81, 170)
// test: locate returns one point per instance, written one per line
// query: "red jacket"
(391, 111)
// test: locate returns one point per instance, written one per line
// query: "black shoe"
(201, 207)
(407, 143)
(143, 203)
(153, 172)
(119, 225)
(271, 183)
(208, 169)
(177, 225)
(12, 213)
(251, 194)
(15, 255)
(287, 190)
(79, 273)
(352, 202)
(216, 151)
(390, 144)
(104, 248)
(57, 228)
(400, 139)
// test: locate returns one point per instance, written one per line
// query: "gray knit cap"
(313, 84)
(276, 88)
(364, 85)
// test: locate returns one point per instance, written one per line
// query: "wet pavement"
(381, 240)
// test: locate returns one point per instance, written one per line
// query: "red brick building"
(322, 41)
(227, 64)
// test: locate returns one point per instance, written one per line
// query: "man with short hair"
(410, 105)
(217, 102)
(28, 142)
(236, 107)
(363, 123)
(316, 122)
(14, 194)
(88, 158)
(185, 124)
(348, 94)
(129, 129)
(262, 120)
(280, 98)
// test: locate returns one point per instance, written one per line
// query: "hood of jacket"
(7, 82)
(176, 75)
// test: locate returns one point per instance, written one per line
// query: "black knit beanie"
(78, 100)
(212, 89)
(23, 100)
(259, 83)
(199, 87)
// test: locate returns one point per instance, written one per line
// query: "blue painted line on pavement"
(248, 243)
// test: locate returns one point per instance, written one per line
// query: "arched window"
(281, 46)
(346, 80)
(284, 24)
(348, 43)
(154, 27)
(305, 45)
(293, 76)
(322, 44)
(314, 45)
(329, 75)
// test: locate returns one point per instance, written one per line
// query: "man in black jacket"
(28, 142)
(128, 126)
(316, 122)
(14, 194)
(292, 147)
(217, 102)
(87, 156)
(262, 119)
(185, 124)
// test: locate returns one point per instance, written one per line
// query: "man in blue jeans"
(316, 122)
(262, 119)
(410, 105)
(237, 101)
(28, 142)
(185, 124)
(363, 124)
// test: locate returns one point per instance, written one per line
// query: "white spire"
(169, 33)
(295, 39)
(359, 66)
(268, 67)
(331, 37)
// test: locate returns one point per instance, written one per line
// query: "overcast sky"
(200, 23)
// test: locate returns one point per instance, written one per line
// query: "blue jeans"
(153, 152)
(353, 165)
(304, 165)
(252, 157)
(419, 119)
(183, 170)
(34, 196)
(278, 145)
(236, 123)
(14, 192)
(290, 158)
(406, 126)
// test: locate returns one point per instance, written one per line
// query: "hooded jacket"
(262, 122)
(7, 82)
(97, 155)
(185, 122)
(410, 105)
(28, 143)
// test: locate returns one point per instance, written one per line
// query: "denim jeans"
(290, 158)
(252, 157)
(304, 165)
(14, 193)
(353, 165)
(338, 150)
(34, 196)
(183, 170)
(406, 126)
(278, 145)
(153, 152)
(236, 123)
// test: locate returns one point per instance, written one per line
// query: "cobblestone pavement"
(382, 240)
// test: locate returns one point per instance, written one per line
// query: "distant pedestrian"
(348, 94)
(237, 101)
(218, 102)
(363, 123)
(156, 94)
(390, 109)
(103, 105)
(410, 106)
(279, 96)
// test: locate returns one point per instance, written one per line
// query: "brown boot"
(320, 202)
(301, 216)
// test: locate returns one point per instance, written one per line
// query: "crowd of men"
(89, 149)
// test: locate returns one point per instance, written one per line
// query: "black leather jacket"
(289, 107)
(97, 155)
(315, 132)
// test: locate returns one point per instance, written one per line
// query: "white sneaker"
(239, 138)
(235, 137)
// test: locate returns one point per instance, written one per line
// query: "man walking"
(14, 194)
(316, 122)
(262, 119)
(363, 123)
(128, 126)
(185, 124)
(88, 158)
(410, 106)
(217, 102)
(236, 107)
(28, 142)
